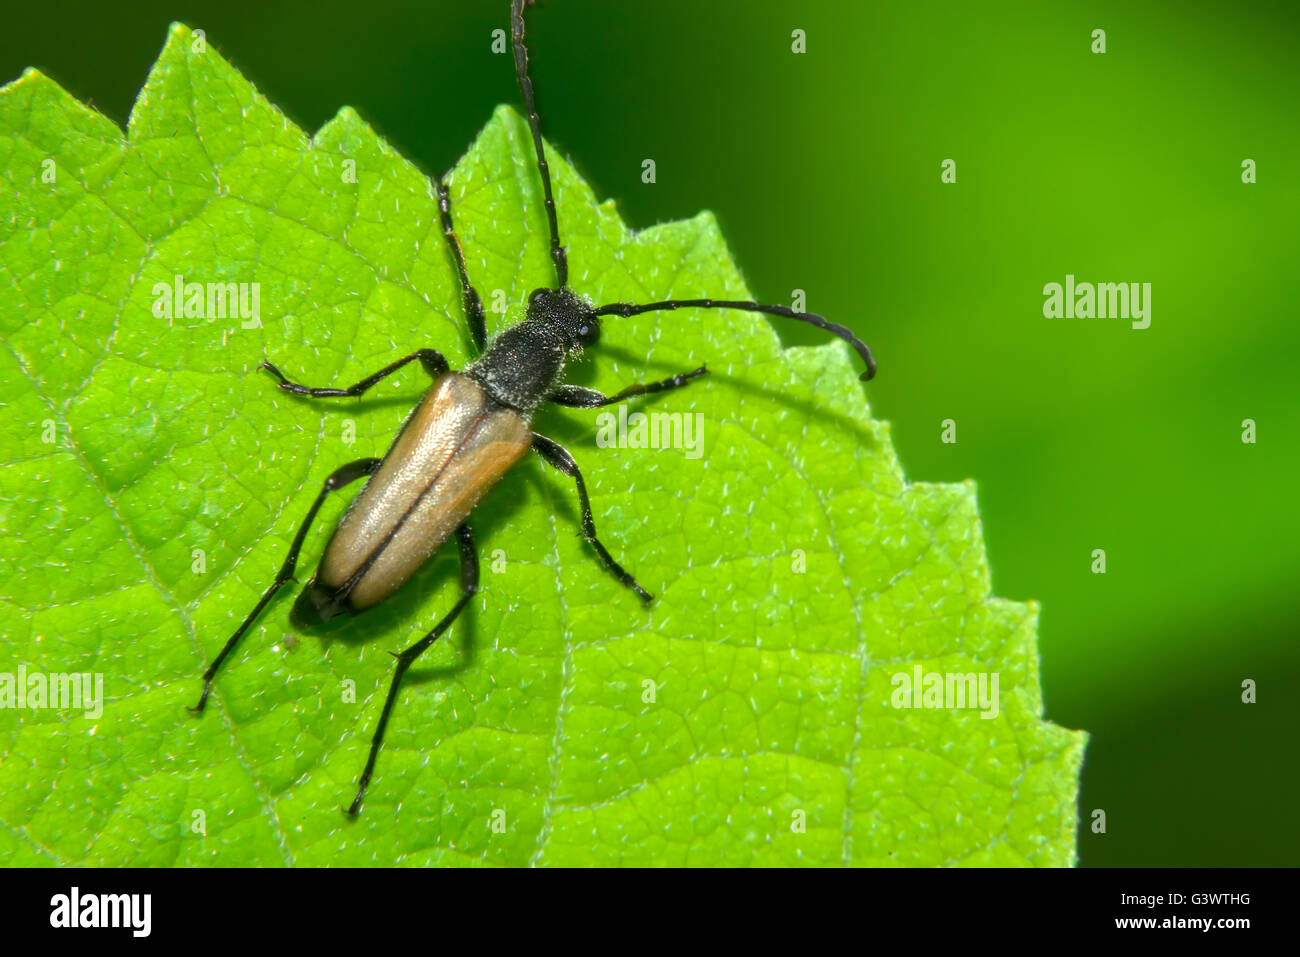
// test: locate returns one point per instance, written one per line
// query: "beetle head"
(566, 314)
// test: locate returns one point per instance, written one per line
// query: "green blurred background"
(824, 170)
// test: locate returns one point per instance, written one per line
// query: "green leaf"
(171, 452)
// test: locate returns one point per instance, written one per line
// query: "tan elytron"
(455, 446)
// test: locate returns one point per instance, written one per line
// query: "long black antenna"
(535, 123)
(821, 322)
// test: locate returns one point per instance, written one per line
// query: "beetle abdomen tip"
(314, 606)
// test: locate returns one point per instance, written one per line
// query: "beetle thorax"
(523, 364)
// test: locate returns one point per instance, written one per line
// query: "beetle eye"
(589, 333)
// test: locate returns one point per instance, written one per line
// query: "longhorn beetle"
(470, 428)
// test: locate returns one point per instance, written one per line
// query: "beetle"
(469, 430)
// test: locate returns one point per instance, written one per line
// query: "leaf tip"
(29, 76)
(180, 41)
(707, 219)
(342, 129)
(505, 113)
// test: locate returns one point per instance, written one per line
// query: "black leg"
(469, 296)
(535, 124)
(576, 397)
(341, 477)
(558, 456)
(468, 588)
(431, 359)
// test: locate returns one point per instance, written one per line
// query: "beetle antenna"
(535, 124)
(821, 322)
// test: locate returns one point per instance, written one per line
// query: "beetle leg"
(576, 397)
(558, 456)
(468, 294)
(339, 478)
(468, 588)
(433, 361)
